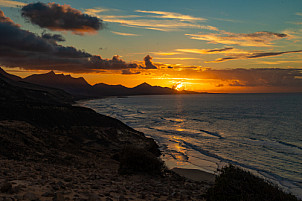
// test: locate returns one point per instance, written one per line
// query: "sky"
(234, 46)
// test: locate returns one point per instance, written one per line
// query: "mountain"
(16, 90)
(102, 89)
(147, 89)
(80, 88)
(10, 76)
(75, 86)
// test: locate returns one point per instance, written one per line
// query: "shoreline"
(288, 187)
(195, 175)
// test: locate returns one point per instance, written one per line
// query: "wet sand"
(195, 175)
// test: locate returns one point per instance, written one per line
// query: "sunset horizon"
(217, 50)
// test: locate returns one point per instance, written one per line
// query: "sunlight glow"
(179, 86)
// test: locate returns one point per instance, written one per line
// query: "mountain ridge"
(80, 88)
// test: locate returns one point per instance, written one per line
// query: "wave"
(212, 133)
(290, 145)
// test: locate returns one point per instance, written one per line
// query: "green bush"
(134, 160)
(235, 184)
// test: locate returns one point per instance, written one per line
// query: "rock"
(67, 179)
(122, 198)
(143, 196)
(48, 194)
(17, 197)
(94, 197)
(58, 197)
(6, 188)
(30, 196)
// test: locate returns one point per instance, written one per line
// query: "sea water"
(258, 132)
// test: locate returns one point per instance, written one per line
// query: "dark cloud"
(268, 54)
(148, 62)
(219, 85)
(129, 72)
(61, 17)
(236, 84)
(265, 33)
(221, 50)
(270, 77)
(21, 48)
(53, 37)
(253, 56)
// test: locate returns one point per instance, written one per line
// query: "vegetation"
(135, 160)
(235, 184)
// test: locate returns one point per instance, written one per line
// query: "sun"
(179, 86)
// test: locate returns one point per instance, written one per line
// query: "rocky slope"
(51, 150)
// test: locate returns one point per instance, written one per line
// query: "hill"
(15, 90)
(80, 88)
(75, 86)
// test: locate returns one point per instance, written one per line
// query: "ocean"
(258, 132)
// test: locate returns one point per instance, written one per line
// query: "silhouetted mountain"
(20, 91)
(147, 89)
(10, 76)
(102, 89)
(80, 88)
(75, 86)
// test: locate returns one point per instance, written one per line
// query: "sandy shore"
(195, 175)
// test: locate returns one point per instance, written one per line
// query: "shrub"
(135, 160)
(235, 184)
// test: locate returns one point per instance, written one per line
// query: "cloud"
(208, 51)
(21, 48)
(269, 77)
(6, 20)
(53, 37)
(299, 14)
(166, 53)
(220, 50)
(124, 34)
(257, 39)
(94, 11)
(61, 17)
(172, 15)
(168, 21)
(129, 72)
(148, 63)
(253, 56)
(159, 25)
(177, 58)
(12, 4)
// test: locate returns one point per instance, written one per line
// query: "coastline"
(288, 187)
(195, 175)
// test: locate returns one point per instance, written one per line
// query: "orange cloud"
(9, 3)
(257, 39)
(172, 15)
(169, 21)
(124, 34)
